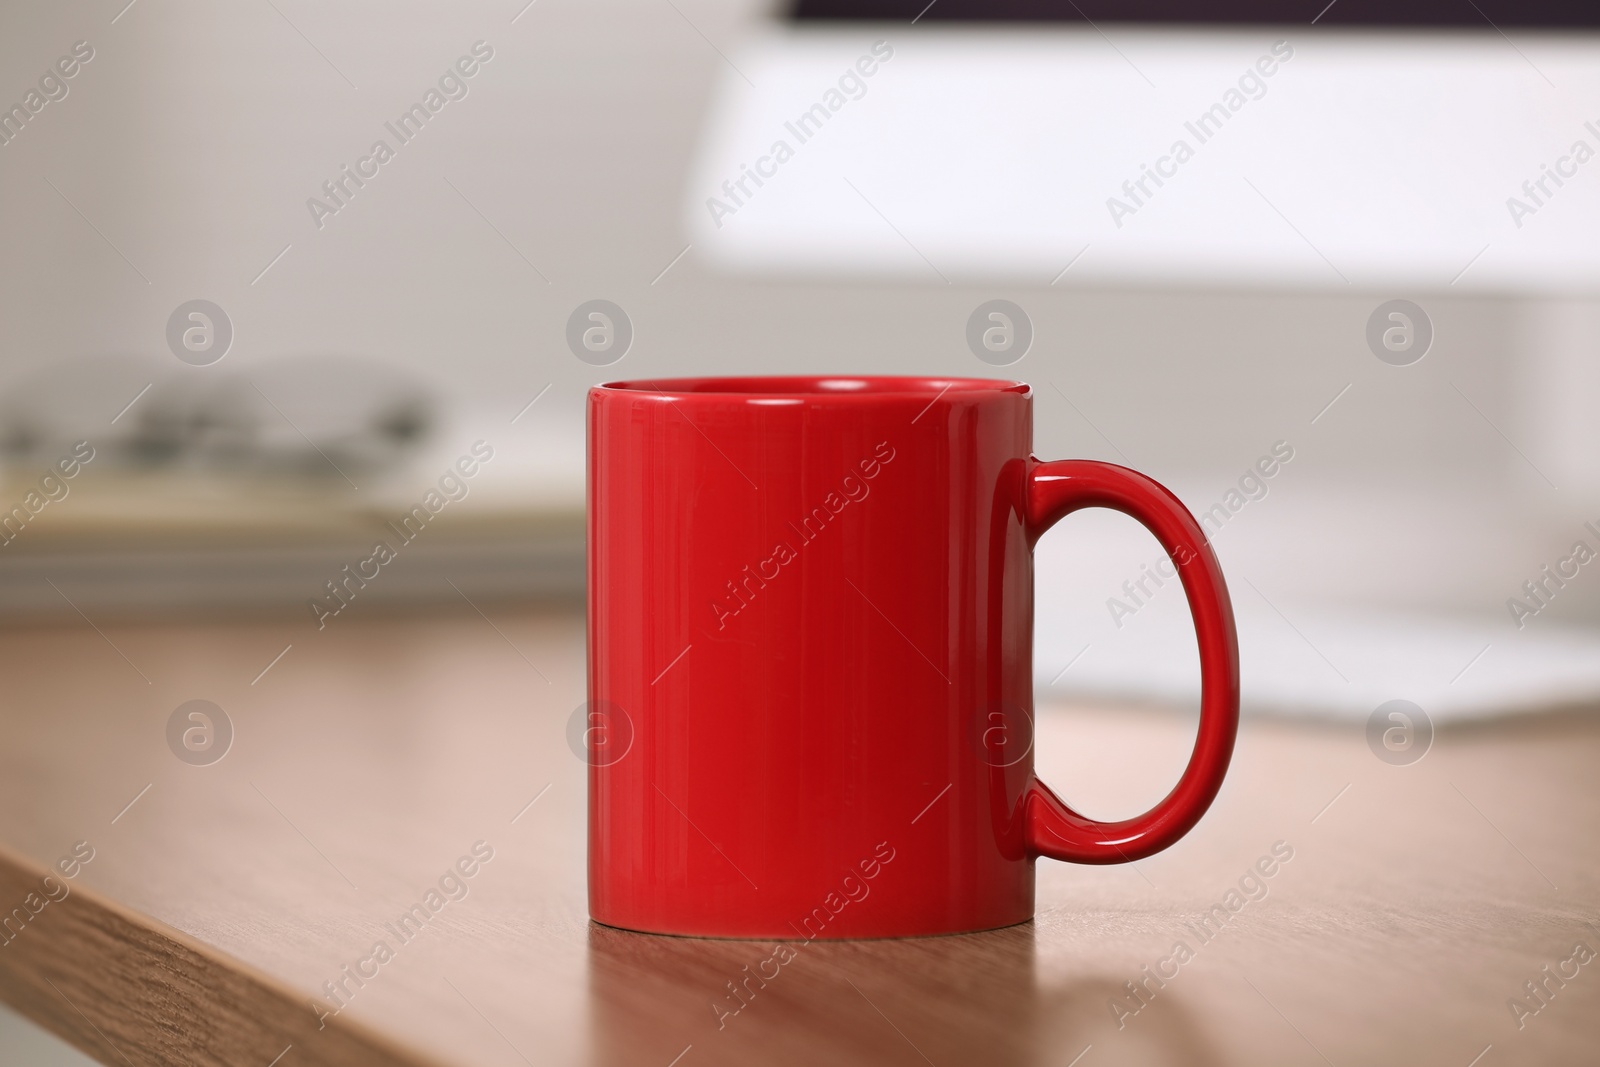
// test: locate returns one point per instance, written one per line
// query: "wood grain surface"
(376, 755)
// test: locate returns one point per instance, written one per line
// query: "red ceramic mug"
(810, 657)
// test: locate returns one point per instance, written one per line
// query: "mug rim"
(859, 387)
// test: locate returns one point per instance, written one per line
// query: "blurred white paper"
(1314, 661)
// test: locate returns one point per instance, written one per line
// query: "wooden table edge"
(128, 989)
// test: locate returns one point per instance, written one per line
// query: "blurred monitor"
(1306, 144)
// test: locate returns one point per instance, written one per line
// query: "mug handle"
(1051, 828)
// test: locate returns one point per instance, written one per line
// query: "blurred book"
(140, 491)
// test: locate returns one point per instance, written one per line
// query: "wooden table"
(373, 755)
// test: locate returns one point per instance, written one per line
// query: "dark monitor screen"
(1488, 15)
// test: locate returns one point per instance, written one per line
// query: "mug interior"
(818, 386)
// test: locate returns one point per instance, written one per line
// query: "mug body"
(810, 646)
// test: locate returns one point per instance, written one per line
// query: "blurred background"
(371, 333)
(355, 338)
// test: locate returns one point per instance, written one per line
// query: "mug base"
(790, 938)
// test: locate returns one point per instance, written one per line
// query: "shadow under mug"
(967, 999)
(810, 657)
